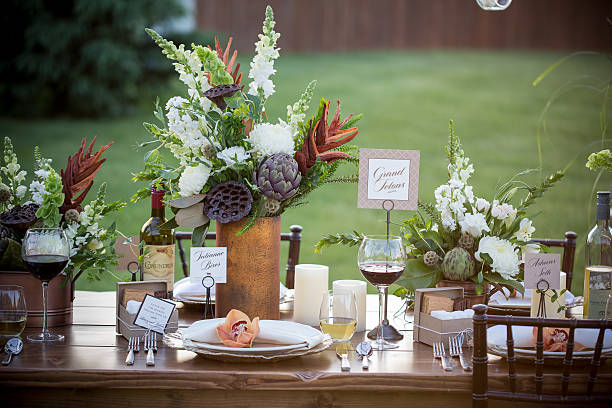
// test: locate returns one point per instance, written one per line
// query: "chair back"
(569, 249)
(480, 388)
(294, 237)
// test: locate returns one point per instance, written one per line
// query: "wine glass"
(381, 260)
(13, 312)
(46, 252)
(338, 315)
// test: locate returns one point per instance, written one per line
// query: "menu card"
(542, 271)
(154, 314)
(209, 261)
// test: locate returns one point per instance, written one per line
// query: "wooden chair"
(480, 390)
(569, 249)
(294, 237)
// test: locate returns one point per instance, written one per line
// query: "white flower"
(95, 244)
(444, 191)
(474, 224)
(529, 249)
(502, 252)
(504, 212)
(266, 52)
(268, 139)
(233, 155)
(525, 230)
(482, 205)
(21, 190)
(193, 179)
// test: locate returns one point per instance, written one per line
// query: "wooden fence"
(332, 25)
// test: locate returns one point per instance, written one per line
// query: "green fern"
(342, 238)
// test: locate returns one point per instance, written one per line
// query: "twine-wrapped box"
(136, 291)
(429, 329)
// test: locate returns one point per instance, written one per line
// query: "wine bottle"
(598, 263)
(158, 250)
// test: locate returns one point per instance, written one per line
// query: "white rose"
(502, 252)
(474, 224)
(193, 179)
(525, 230)
(268, 139)
(482, 205)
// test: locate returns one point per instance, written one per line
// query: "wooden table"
(88, 370)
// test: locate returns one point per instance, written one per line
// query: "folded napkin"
(499, 299)
(523, 336)
(457, 314)
(189, 289)
(133, 306)
(271, 332)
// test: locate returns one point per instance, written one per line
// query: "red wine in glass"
(381, 274)
(45, 267)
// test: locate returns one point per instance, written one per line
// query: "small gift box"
(127, 291)
(430, 329)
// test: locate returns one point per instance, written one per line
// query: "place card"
(388, 175)
(209, 261)
(542, 267)
(154, 314)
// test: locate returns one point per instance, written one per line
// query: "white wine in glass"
(338, 315)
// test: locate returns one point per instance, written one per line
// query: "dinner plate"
(246, 350)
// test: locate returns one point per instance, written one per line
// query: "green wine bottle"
(158, 250)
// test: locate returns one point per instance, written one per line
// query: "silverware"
(154, 342)
(439, 352)
(148, 347)
(455, 349)
(364, 350)
(129, 360)
(342, 353)
(13, 346)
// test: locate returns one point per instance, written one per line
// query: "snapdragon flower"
(262, 66)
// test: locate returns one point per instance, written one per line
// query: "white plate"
(252, 350)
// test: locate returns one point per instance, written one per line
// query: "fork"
(129, 360)
(439, 352)
(154, 346)
(455, 349)
(148, 347)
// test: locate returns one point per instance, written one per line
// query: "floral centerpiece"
(55, 199)
(465, 238)
(230, 162)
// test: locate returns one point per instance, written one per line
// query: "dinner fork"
(129, 360)
(456, 350)
(148, 347)
(439, 352)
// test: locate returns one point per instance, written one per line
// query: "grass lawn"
(407, 99)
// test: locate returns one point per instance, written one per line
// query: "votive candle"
(359, 288)
(310, 287)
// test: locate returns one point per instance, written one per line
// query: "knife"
(342, 353)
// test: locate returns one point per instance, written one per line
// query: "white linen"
(189, 289)
(276, 332)
(133, 306)
(457, 314)
(522, 336)
(499, 299)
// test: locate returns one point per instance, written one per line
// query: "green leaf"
(168, 174)
(170, 224)
(199, 235)
(417, 275)
(510, 283)
(486, 258)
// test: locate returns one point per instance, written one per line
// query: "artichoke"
(278, 177)
(458, 265)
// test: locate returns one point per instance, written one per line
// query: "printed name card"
(542, 267)
(388, 175)
(209, 261)
(154, 314)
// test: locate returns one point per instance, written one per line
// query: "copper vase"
(253, 269)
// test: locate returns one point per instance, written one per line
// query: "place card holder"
(429, 329)
(125, 321)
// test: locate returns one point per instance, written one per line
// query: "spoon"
(13, 346)
(364, 350)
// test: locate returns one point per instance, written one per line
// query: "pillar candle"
(310, 286)
(551, 309)
(359, 288)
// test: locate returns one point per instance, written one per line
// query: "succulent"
(229, 201)
(5, 193)
(72, 216)
(466, 241)
(20, 217)
(272, 206)
(458, 265)
(431, 258)
(278, 177)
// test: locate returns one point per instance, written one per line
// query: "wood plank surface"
(89, 366)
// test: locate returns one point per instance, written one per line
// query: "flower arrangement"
(463, 237)
(54, 199)
(232, 160)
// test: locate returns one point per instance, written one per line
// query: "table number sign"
(542, 267)
(388, 175)
(154, 314)
(209, 261)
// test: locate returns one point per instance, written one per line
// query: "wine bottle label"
(158, 263)
(597, 296)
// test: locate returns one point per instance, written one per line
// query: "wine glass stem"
(381, 315)
(45, 285)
